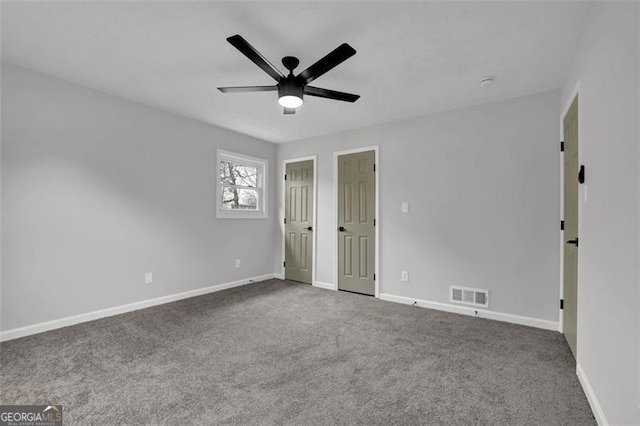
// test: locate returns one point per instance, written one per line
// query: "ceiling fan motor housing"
(288, 87)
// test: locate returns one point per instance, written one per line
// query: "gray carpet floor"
(278, 352)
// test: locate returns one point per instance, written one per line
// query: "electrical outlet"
(404, 276)
(148, 278)
(238, 263)
(404, 207)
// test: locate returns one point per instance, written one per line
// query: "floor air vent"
(469, 296)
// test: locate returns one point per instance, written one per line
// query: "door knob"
(574, 242)
(309, 228)
(341, 229)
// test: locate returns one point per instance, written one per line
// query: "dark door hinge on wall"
(374, 277)
(562, 225)
(374, 222)
(561, 303)
(374, 167)
(284, 264)
(285, 220)
(285, 177)
(562, 146)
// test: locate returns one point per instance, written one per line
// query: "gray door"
(299, 221)
(570, 258)
(356, 216)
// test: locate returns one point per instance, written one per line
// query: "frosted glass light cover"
(289, 101)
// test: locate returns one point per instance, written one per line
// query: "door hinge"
(374, 277)
(374, 222)
(562, 146)
(285, 177)
(561, 303)
(581, 174)
(284, 264)
(374, 167)
(562, 225)
(285, 220)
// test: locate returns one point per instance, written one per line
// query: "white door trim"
(336, 154)
(286, 161)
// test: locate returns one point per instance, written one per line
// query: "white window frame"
(263, 169)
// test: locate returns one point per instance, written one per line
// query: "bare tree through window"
(239, 186)
(242, 191)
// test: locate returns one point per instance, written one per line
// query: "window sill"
(226, 214)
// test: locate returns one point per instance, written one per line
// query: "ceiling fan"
(291, 88)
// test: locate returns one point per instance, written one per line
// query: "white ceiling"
(413, 58)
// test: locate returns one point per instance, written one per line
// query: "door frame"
(286, 161)
(581, 200)
(336, 154)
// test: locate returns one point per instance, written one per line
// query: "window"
(241, 186)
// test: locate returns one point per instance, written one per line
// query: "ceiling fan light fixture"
(292, 88)
(290, 94)
(290, 101)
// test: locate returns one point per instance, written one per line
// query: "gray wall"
(483, 187)
(99, 190)
(607, 69)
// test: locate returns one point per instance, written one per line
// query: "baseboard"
(591, 397)
(480, 313)
(278, 276)
(326, 286)
(116, 310)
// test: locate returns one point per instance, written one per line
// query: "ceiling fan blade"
(330, 94)
(242, 89)
(289, 111)
(250, 52)
(332, 60)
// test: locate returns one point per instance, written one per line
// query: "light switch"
(405, 207)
